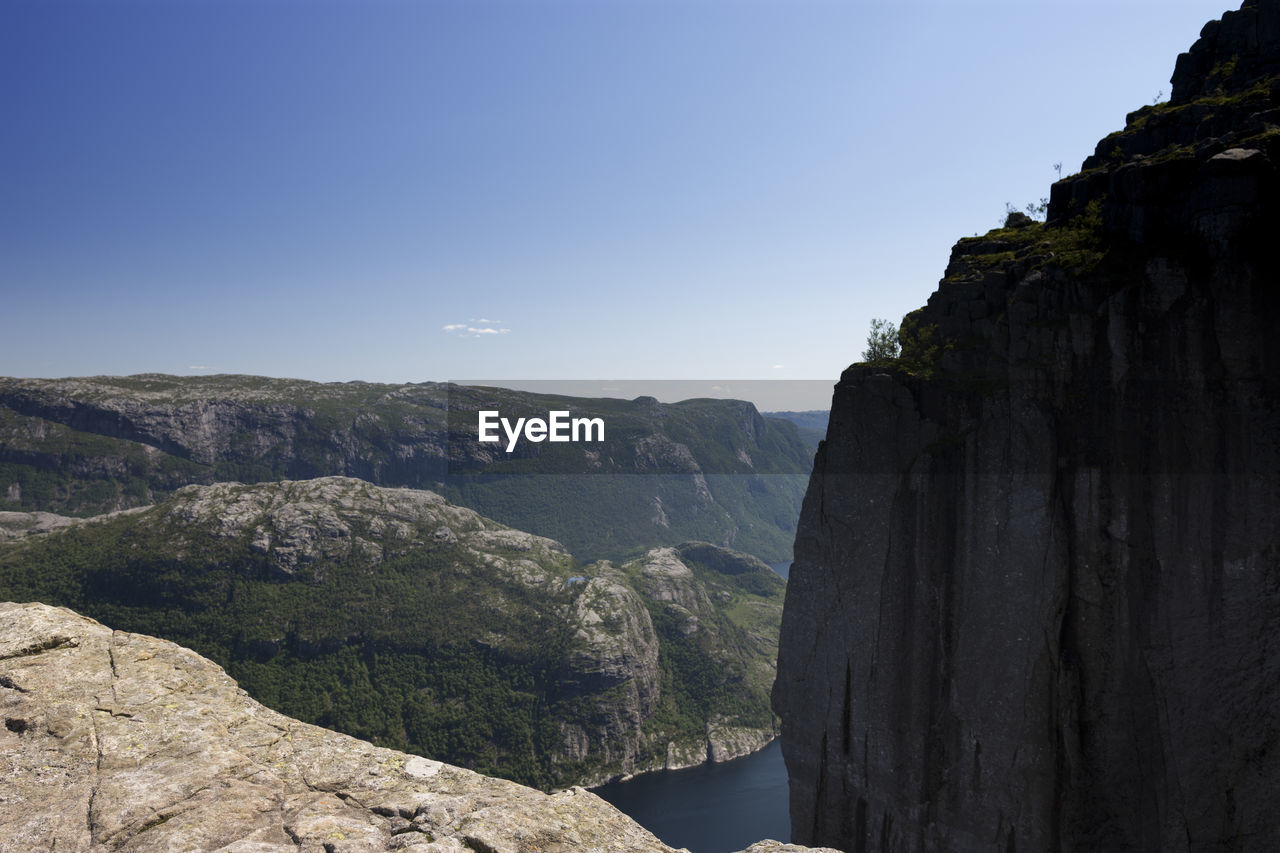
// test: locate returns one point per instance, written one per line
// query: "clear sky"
(409, 191)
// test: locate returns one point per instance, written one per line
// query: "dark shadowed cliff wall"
(1035, 602)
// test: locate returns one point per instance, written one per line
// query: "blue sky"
(615, 188)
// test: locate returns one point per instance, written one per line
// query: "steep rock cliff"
(1035, 603)
(122, 742)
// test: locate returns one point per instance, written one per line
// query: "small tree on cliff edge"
(882, 343)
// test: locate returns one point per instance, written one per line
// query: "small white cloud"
(199, 367)
(467, 331)
(777, 367)
(486, 321)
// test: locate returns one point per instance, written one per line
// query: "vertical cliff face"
(1035, 602)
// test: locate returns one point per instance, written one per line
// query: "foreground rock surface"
(122, 742)
(1035, 603)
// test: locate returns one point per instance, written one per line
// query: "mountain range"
(710, 470)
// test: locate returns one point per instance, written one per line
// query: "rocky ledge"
(122, 742)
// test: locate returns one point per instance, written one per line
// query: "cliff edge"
(1035, 603)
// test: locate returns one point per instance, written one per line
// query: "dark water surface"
(714, 808)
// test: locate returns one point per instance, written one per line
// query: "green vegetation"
(1179, 121)
(921, 345)
(1034, 210)
(451, 644)
(616, 516)
(430, 652)
(1074, 243)
(1077, 243)
(882, 343)
(706, 674)
(51, 467)
(1221, 73)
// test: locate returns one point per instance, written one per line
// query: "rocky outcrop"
(121, 742)
(615, 655)
(666, 579)
(707, 616)
(15, 525)
(397, 616)
(1231, 54)
(725, 743)
(334, 519)
(19, 525)
(1035, 603)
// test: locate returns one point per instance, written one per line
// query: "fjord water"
(712, 808)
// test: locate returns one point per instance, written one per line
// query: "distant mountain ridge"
(814, 419)
(714, 470)
(811, 423)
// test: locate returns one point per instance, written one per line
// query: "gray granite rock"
(121, 742)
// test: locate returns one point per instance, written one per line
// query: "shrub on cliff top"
(882, 343)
